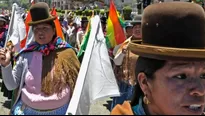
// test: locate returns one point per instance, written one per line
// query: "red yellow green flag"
(115, 33)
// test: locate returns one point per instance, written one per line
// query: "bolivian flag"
(115, 33)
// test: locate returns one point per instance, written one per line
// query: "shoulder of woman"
(23, 57)
(67, 52)
(124, 109)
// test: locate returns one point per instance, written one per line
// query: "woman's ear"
(143, 82)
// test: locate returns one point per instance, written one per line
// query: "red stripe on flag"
(57, 24)
(28, 19)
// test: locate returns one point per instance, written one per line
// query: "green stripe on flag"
(122, 23)
(84, 44)
(107, 42)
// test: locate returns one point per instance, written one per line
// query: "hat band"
(166, 51)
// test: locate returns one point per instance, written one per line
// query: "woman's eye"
(181, 76)
(202, 76)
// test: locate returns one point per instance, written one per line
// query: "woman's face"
(43, 33)
(129, 31)
(137, 31)
(178, 89)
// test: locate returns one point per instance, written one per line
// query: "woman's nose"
(197, 88)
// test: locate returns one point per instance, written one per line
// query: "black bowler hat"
(40, 14)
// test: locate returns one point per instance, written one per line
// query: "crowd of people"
(159, 70)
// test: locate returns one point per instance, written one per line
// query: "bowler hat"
(40, 14)
(172, 30)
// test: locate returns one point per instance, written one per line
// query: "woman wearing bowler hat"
(45, 72)
(170, 69)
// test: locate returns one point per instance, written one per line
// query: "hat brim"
(166, 53)
(129, 25)
(135, 22)
(42, 21)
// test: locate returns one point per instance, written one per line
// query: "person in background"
(81, 31)
(137, 34)
(4, 21)
(3, 30)
(170, 73)
(71, 31)
(128, 29)
(46, 70)
(124, 64)
(61, 19)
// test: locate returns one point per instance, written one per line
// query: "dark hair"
(149, 67)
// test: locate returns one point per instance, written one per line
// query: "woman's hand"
(5, 57)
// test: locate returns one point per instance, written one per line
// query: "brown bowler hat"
(40, 14)
(172, 30)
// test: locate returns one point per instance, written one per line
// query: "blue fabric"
(126, 92)
(17, 110)
(138, 109)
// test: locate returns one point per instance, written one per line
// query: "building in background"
(68, 4)
(121, 3)
(49, 2)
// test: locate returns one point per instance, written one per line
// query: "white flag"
(11, 23)
(18, 29)
(96, 78)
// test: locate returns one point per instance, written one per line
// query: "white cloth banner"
(17, 30)
(11, 23)
(96, 78)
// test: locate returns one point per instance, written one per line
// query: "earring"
(146, 101)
